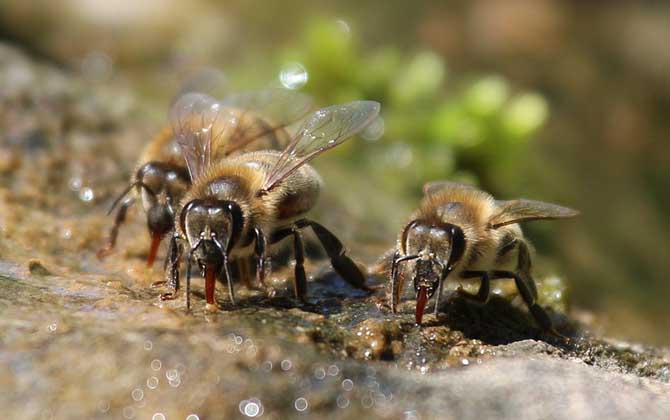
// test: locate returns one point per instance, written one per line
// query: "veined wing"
(197, 121)
(323, 130)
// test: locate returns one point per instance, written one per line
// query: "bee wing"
(206, 80)
(433, 187)
(275, 108)
(197, 120)
(515, 211)
(323, 130)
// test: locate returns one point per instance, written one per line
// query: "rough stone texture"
(83, 338)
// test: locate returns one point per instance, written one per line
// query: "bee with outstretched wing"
(245, 204)
(203, 130)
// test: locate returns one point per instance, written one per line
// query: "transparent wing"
(323, 130)
(433, 187)
(197, 121)
(263, 113)
(516, 211)
(206, 80)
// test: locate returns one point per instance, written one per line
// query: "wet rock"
(84, 338)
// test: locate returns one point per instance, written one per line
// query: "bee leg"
(484, 292)
(114, 232)
(299, 279)
(259, 250)
(172, 269)
(343, 265)
(396, 287)
(225, 269)
(539, 314)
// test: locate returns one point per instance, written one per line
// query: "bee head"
(436, 249)
(212, 227)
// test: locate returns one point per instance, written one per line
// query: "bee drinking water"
(464, 233)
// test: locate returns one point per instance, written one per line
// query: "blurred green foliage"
(434, 129)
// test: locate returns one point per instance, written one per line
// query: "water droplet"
(465, 362)
(158, 416)
(344, 26)
(137, 394)
(172, 374)
(148, 345)
(347, 384)
(342, 401)
(103, 406)
(374, 130)
(367, 401)
(293, 76)
(52, 327)
(333, 370)
(129, 412)
(192, 417)
(267, 366)
(86, 194)
(156, 365)
(251, 408)
(319, 373)
(174, 383)
(75, 183)
(301, 404)
(286, 364)
(152, 382)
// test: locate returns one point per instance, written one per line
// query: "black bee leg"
(343, 265)
(226, 273)
(259, 250)
(395, 284)
(484, 292)
(539, 314)
(172, 269)
(114, 232)
(299, 279)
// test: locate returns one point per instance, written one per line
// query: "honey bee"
(162, 178)
(246, 204)
(462, 232)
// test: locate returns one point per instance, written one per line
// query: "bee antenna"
(125, 193)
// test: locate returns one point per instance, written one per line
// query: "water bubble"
(137, 394)
(148, 345)
(52, 327)
(192, 417)
(251, 408)
(347, 384)
(156, 364)
(158, 416)
(374, 130)
(172, 374)
(239, 340)
(333, 370)
(301, 404)
(75, 183)
(86, 194)
(465, 362)
(319, 373)
(293, 76)
(103, 406)
(174, 383)
(367, 401)
(286, 364)
(267, 366)
(344, 26)
(152, 382)
(342, 401)
(129, 412)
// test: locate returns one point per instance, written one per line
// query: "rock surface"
(83, 338)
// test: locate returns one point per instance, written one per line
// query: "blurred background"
(560, 101)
